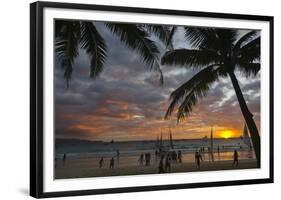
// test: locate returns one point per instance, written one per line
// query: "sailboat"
(171, 139)
(246, 137)
(212, 145)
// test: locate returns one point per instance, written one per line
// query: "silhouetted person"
(168, 163)
(111, 164)
(235, 158)
(174, 156)
(141, 159)
(179, 156)
(147, 159)
(198, 159)
(64, 159)
(101, 162)
(161, 166)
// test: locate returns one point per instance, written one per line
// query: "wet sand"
(83, 168)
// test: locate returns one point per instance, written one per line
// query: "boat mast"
(171, 139)
(212, 145)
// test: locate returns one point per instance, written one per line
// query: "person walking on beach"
(141, 159)
(198, 159)
(168, 163)
(111, 164)
(161, 166)
(147, 159)
(235, 158)
(156, 155)
(63, 159)
(101, 162)
(218, 152)
(179, 156)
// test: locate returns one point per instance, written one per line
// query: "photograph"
(140, 98)
(130, 99)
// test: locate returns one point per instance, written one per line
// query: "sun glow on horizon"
(226, 134)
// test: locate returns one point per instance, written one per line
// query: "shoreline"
(85, 170)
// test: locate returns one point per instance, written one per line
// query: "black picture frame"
(36, 98)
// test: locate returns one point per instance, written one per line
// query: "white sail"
(212, 145)
(246, 137)
(171, 139)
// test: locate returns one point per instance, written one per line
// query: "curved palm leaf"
(200, 36)
(138, 40)
(249, 52)
(190, 57)
(245, 39)
(159, 31)
(188, 94)
(66, 45)
(249, 69)
(171, 34)
(95, 47)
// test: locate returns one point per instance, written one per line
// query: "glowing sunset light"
(226, 134)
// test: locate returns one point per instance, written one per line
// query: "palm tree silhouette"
(216, 53)
(72, 35)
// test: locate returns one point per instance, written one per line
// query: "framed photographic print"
(130, 99)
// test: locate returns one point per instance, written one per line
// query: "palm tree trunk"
(248, 116)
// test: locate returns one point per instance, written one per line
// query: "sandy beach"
(70, 168)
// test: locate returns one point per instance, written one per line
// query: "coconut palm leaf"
(66, 46)
(190, 57)
(159, 31)
(188, 94)
(245, 39)
(137, 39)
(249, 69)
(95, 47)
(200, 36)
(249, 52)
(171, 34)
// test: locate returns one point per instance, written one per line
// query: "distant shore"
(78, 169)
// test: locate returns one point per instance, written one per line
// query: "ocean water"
(133, 149)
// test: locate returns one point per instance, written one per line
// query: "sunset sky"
(127, 102)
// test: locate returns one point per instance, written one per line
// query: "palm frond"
(249, 69)
(171, 34)
(227, 37)
(66, 45)
(190, 57)
(250, 52)
(245, 39)
(188, 94)
(159, 31)
(67, 66)
(95, 47)
(136, 39)
(197, 36)
(59, 26)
